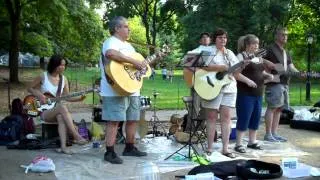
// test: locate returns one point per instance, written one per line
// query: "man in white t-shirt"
(118, 108)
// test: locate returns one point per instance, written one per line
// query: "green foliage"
(37, 44)
(68, 27)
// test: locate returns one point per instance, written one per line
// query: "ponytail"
(241, 45)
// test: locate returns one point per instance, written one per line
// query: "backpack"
(83, 130)
(10, 129)
(27, 122)
(27, 125)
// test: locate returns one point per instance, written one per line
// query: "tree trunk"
(14, 52)
(14, 10)
(154, 27)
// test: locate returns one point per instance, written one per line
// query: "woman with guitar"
(225, 101)
(53, 82)
(250, 90)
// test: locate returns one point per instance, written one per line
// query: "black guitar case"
(303, 124)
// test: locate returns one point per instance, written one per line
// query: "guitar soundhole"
(220, 75)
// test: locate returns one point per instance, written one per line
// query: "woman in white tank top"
(48, 83)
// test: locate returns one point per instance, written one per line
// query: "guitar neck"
(315, 75)
(71, 95)
(151, 58)
(234, 68)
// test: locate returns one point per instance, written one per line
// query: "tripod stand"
(155, 120)
(195, 63)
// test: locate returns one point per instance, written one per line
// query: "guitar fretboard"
(57, 99)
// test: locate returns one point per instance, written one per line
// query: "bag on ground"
(10, 129)
(40, 164)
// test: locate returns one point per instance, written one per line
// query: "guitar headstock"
(261, 52)
(164, 51)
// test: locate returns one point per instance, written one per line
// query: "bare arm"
(268, 64)
(118, 56)
(216, 67)
(292, 68)
(34, 88)
(244, 79)
(66, 91)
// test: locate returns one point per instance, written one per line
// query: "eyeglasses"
(222, 37)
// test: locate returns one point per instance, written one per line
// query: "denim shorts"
(120, 108)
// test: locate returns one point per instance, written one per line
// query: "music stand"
(193, 60)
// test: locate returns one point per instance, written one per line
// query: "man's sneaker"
(112, 157)
(133, 152)
(270, 138)
(280, 138)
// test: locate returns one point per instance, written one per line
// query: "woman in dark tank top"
(250, 90)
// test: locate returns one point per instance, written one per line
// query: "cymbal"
(155, 93)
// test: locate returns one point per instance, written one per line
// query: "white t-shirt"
(230, 59)
(126, 49)
(204, 48)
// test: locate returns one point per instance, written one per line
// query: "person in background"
(170, 74)
(277, 91)
(48, 82)
(164, 73)
(153, 73)
(250, 84)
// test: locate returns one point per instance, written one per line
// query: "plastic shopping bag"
(40, 164)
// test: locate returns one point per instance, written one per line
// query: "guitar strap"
(281, 55)
(109, 80)
(59, 86)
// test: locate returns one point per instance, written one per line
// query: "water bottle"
(147, 171)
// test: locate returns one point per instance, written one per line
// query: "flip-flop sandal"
(80, 142)
(240, 149)
(65, 151)
(255, 146)
(230, 155)
(209, 152)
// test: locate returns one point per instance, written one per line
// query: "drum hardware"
(155, 122)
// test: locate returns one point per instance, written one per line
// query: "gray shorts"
(121, 108)
(277, 95)
(224, 99)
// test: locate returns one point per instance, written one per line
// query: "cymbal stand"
(155, 120)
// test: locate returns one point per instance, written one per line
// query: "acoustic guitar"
(279, 71)
(34, 106)
(125, 78)
(189, 71)
(208, 84)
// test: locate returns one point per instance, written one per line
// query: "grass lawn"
(170, 93)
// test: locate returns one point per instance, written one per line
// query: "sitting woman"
(52, 81)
